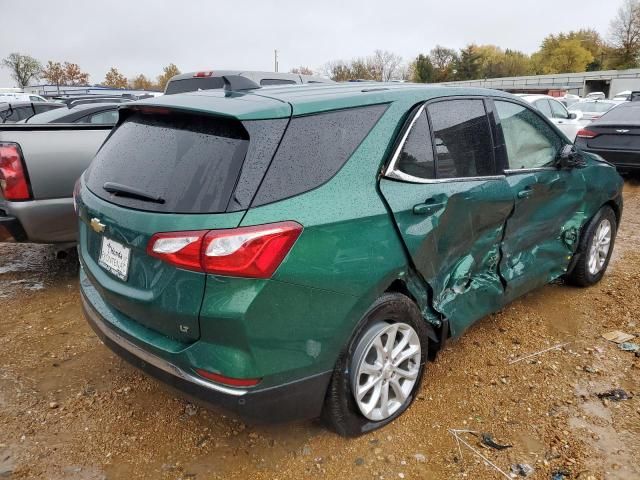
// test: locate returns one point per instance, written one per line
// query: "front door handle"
(526, 193)
(428, 207)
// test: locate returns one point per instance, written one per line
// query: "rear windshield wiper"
(132, 192)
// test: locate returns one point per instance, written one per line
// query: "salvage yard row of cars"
(300, 251)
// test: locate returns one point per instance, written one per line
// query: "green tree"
(24, 68)
(167, 73)
(423, 71)
(468, 63)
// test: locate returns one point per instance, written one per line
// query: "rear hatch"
(613, 136)
(164, 170)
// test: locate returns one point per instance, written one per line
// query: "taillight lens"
(585, 133)
(253, 252)
(13, 179)
(203, 74)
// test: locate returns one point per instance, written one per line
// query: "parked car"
(211, 80)
(20, 97)
(624, 96)
(97, 113)
(615, 136)
(568, 99)
(596, 96)
(592, 109)
(16, 111)
(299, 251)
(39, 165)
(567, 122)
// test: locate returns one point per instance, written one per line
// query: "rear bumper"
(297, 400)
(11, 230)
(624, 160)
(46, 221)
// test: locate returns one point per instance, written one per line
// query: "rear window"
(626, 113)
(193, 85)
(190, 162)
(314, 148)
(591, 107)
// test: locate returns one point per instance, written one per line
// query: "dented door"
(542, 231)
(454, 243)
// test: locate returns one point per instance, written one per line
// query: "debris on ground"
(629, 347)
(522, 469)
(615, 395)
(560, 475)
(617, 336)
(459, 440)
(555, 347)
(488, 441)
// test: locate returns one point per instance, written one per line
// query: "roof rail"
(236, 83)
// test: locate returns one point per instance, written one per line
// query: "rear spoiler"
(234, 83)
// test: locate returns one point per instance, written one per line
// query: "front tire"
(595, 249)
(377, 376)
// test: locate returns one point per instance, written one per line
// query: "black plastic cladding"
(314, 149)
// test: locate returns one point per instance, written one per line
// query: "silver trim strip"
(529, 170)
(398, 175)
(154, 360)
(396, 154)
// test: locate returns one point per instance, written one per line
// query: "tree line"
(572, 52)
(26, 69)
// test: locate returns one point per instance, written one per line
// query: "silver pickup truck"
(39, 165)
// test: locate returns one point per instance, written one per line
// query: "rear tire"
(595, 248)
(369, 367)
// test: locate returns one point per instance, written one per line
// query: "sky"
(140, 36)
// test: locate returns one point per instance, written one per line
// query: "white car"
(595, 96)
(592, 109)
(624, 96)
(567, 122)
(20, 97)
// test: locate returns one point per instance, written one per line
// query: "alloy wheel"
(600, 245)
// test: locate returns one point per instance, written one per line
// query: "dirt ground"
(70, 409)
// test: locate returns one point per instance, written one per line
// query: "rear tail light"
(585, 133)
(203, 74)
(13, 177)
(253, 252)
(232, 382)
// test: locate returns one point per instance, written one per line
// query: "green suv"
(300, 251)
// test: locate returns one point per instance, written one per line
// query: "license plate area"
(114, 258)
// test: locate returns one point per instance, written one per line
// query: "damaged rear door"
(542, 232)
(450, 206)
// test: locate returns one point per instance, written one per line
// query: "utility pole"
(275, 60)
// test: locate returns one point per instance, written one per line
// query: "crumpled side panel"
(456, 247)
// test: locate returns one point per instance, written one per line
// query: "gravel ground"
(70, 409)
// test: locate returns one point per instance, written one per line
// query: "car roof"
(283, 101)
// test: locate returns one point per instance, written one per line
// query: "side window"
(416, 157)
(265, 82)
(529, 140)
(462, 139)
(558, 110)
(313, 149)
(107, 117)
(24, 112)
(543, 106)
(33, 98)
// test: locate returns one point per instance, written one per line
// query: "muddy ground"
(70, 409)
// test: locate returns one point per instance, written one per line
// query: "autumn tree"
(115, 79)
(383, 65)
(73, 76)
(167, 73)
(301, 70)
(54, 74)
(561, 54)
(141, 82)
(444, 62)
(23, 68)
(625, 35)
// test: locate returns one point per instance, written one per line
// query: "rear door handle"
(428, 207)
(526, 193)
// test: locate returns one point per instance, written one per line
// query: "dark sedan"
(97, 113)
(615, 136)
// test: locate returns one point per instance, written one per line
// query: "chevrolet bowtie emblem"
(97, 226)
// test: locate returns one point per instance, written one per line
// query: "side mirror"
(569, 157)
(573, 116)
